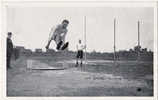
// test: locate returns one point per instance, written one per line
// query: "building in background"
(38, 51)
(22, 51)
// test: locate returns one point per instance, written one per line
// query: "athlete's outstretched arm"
(51, 37)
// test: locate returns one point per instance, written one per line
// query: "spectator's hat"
(9, 33)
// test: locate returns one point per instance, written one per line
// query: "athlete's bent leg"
(58, 42)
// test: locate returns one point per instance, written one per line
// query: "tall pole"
(138, 33)
(85, 40)
(138, 56)
(114, 40)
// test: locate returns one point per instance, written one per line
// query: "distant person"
(9, 49)
(59, 34)
(79, 55)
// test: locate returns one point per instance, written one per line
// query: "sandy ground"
(72, 82)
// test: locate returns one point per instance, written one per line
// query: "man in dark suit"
(9, 49)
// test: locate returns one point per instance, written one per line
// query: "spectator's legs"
(8, 61)
(81, 56)
(81, 62)
(77, 56)
(76, 62)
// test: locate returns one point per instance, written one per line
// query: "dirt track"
(70, 82)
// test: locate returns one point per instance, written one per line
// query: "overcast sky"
(31, 26)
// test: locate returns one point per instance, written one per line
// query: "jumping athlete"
(59, 34)
(79, 55)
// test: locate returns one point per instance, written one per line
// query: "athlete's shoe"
(81, 64)
(47, 47)
(65, 46)
(76, 64)
(59, 45)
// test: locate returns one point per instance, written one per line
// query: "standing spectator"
(79, 55)
(9, 49)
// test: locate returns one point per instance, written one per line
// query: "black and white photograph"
(79, 51)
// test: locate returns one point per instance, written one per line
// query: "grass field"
(127, 69)
(96, 78)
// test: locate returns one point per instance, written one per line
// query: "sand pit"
(37, 65)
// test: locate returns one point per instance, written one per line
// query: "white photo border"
(3, 30)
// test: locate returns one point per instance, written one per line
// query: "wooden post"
(114, 41)
(138, 33)
(138, 52)
(85, 40)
